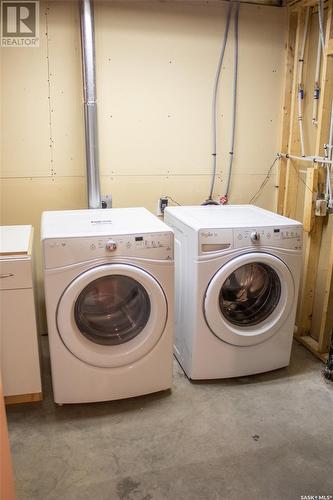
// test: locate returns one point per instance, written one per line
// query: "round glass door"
(250, 294)
(249, 298)
(112, 315)
(112, 310)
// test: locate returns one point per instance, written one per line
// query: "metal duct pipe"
(90, 104)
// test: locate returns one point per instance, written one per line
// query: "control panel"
(157, 246)
(279, 237)
(219, 240)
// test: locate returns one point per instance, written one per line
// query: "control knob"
(111, 245)
(255, 236)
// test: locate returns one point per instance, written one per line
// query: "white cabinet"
(19, 349)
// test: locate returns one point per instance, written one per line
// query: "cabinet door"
(7, 487)
(19, 357)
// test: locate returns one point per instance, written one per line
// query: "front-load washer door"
(249, 298)
(112, 315)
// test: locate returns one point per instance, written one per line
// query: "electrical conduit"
(234, 102)
(214, 102)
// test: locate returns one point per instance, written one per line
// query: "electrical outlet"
(161, 204)
(321, 208)
(107, 201)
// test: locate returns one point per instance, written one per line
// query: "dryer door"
(112, 315)
(249, 299)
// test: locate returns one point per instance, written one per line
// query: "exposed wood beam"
(287, 100)
(310, 195)
(292, 176)
(326, 323)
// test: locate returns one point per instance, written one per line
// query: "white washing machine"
(237, 280)
(109, 300)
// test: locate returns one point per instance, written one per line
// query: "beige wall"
(156, 63)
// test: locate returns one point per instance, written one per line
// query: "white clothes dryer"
(109, 299)
(237, 279)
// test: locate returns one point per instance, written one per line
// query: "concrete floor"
(265, 437)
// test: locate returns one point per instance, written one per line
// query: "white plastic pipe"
(300, 120)
(328, 190)
(316, 92)
(330, 137)
(300, 96)
(312, 159)
(302, 51)
(321, 29)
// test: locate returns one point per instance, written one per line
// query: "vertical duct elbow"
(90, 103)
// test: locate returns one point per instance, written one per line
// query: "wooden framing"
(292, 176)
(288, 93)
(311, 182)
(327, 307)
(297, 4)
(329, 50)
(289, 180)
